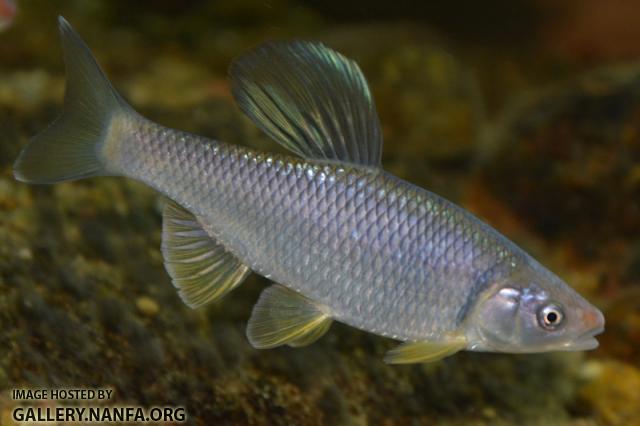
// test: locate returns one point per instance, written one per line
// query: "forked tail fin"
(71, 147)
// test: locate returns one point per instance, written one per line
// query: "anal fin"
(425, 351)
(283, 316)
(201, 269)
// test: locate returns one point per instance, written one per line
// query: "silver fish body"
(386, 256)
(343, 239)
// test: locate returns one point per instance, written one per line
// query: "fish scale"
(345, 236)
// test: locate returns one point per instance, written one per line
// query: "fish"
(8, 11)
(340, 238)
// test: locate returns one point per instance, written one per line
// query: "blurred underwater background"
(525, 112)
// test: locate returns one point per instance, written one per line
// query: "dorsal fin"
(201, 269)
(310, 99)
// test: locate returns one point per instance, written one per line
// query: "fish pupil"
(552, 317)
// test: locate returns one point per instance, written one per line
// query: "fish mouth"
(584, 342)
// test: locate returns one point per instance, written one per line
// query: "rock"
(614, 395)
(147, 306)
(562, 152)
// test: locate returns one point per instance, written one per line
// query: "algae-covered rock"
(570, 154)
(85, 300)
(613, 395)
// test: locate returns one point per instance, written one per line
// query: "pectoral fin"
(283, 316)
(201, 269)
(415, 352)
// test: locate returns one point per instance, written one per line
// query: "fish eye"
(550, 316)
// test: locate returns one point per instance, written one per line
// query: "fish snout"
(593, 321)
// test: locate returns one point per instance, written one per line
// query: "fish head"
(532, 310)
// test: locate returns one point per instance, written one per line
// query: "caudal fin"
(70, 148)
